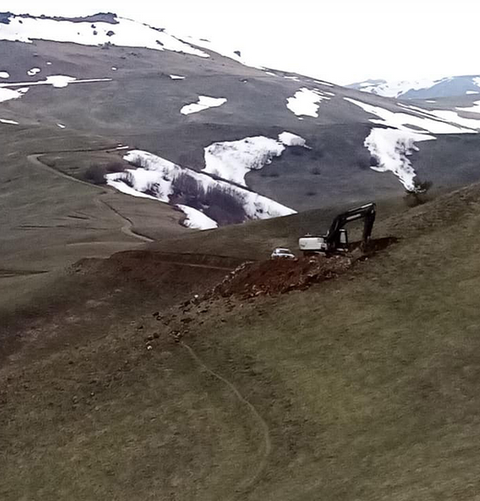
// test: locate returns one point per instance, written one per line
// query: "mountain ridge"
(208, 116)
(454, 86)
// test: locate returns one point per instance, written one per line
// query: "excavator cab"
(342, 240)
(336, 240)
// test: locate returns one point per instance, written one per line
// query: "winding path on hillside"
(127, 226)
(249, 481)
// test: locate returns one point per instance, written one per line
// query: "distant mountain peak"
(421, 89)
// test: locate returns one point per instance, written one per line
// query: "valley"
(149, 346)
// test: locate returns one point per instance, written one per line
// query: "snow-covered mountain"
(222, 141)
(422, 89)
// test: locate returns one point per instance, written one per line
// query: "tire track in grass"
(127, 228)
(250, 481)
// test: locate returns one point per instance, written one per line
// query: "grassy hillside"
(140, 106)
(363, 387)
(51, 220)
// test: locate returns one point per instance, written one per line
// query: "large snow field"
(126, 33)
(203, 103)
(233, 160)
(155, 177)
(306, 102)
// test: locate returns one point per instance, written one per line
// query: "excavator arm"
(366, 212)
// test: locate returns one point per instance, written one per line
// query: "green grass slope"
(50, 220)
(363, 387)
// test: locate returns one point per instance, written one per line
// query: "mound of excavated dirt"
(277, 276)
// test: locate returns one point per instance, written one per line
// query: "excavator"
(336, 240)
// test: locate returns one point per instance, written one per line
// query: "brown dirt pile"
(277, 276)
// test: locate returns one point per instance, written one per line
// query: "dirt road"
(127, 226)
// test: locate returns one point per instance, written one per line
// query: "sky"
(342, 41)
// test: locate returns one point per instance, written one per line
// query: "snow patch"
(197, 220)
(6, 121)
(8, 94)
(33, 72)
(177, 77)
(469, 92)
(114, 68)
(321, 82)
(453, 117)
(428, 122)
(61, 126)
(289, 139)
(203, 103)
(4, 74)
(476, 81)
(391, 148)
(295, 79)
(49, 63)
(233, 160)
(306, 102)
(56, 81)
(120, 185)
(59, 81)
